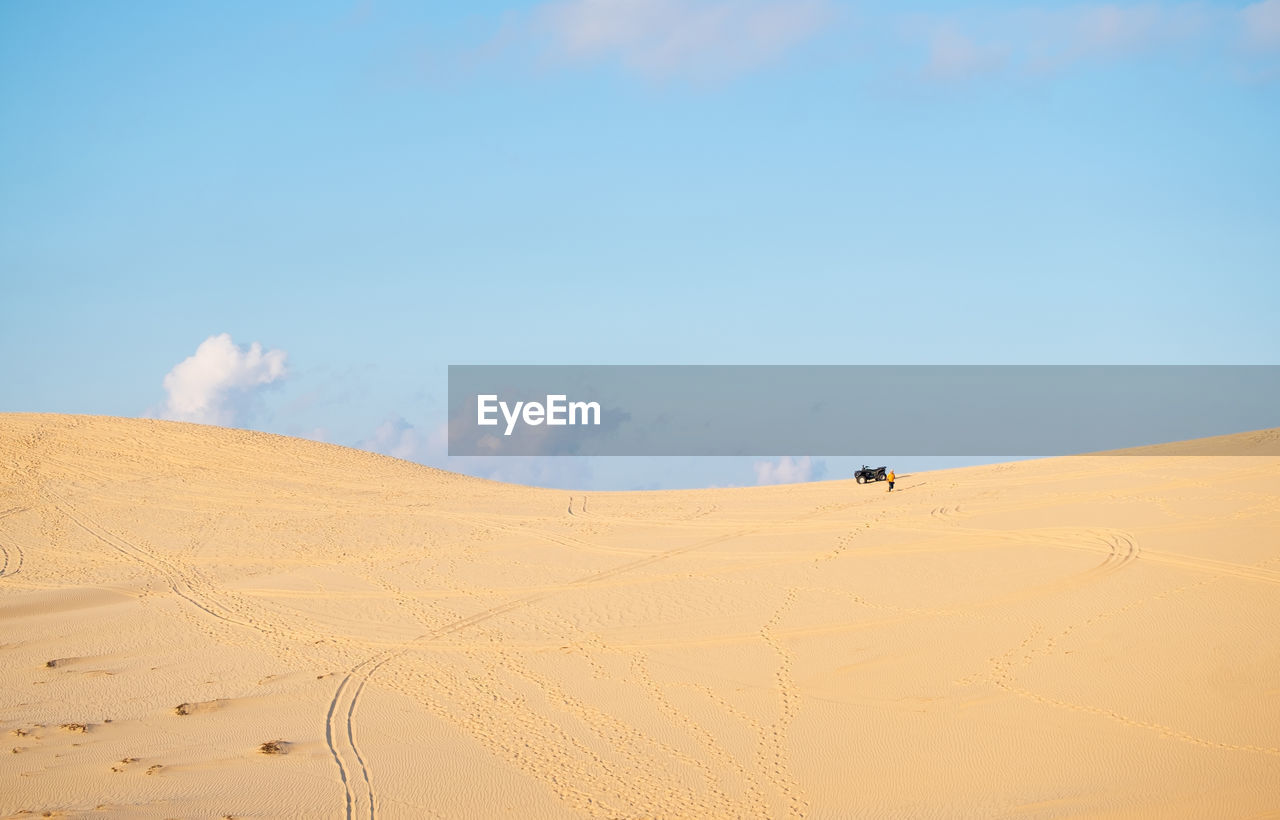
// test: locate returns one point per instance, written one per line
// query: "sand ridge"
(250, 625)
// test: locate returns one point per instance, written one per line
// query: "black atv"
(867, 474)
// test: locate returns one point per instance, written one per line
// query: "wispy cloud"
(220, 382)
(953, 54)
(704, 38)
(1262, 24)
(718, 39)
(1038, 40)
(398, 438)
(788, 470)
(1113, 28)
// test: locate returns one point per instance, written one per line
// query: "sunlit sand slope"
(1092, 636)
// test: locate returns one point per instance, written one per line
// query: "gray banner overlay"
(853, 410)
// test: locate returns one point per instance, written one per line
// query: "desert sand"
(1094, 636)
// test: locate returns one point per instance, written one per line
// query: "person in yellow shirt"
(891, 478)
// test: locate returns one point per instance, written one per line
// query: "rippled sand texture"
(1092, 636)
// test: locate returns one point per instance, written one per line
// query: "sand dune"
(1092, 636)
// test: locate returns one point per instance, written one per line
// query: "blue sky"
(376, 190)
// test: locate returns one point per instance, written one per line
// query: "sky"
(293, 217)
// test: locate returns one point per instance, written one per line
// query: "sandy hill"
(200, 622)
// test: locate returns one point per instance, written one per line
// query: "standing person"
(891, 478)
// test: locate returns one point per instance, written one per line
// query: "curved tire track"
(179, 583)
(12, 511)
(343, 708)
(194, 589)
(13, 556)
(360, 794)
(5, 570)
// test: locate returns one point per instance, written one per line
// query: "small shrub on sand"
(274, 747)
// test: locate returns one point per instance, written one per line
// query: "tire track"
(1123, 550)
(362, 794)
(180, 586)
(1119, 548)
(507, 726)
(641, 770)
(529, 739)
(9, 553)
(5, 571)
(199, 593)
(346, 699)
(1167, 731)
(945, 514)
(178, 582)
(1213, 566)
(1218, 568)
(1003, 667)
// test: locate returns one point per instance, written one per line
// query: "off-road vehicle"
(869, 474)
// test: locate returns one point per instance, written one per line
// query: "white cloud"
(1113, 28)
(715, 39)
(788, 470)
(220, 382)
(666, 37)
(952, 54)
(1262, 23)
(1035, 40)
(398, 438)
